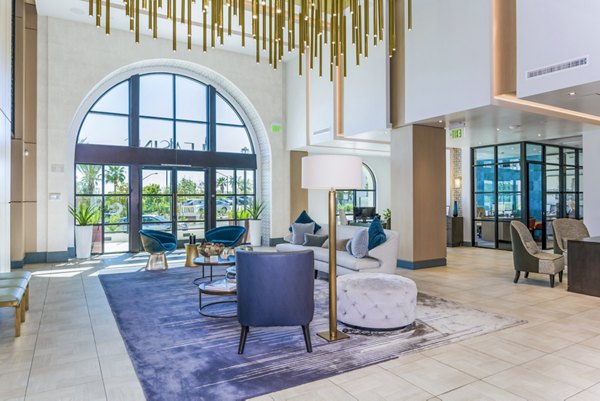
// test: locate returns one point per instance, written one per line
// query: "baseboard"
(43, 257)
(422, 264)
(467, 243)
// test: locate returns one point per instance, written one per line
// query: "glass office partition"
(530, 182)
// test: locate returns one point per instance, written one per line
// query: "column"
(418, 192)
(5, 131)
(591, 189)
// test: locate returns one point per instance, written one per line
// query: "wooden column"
(418, 181)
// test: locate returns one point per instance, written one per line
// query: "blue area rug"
(181, 355)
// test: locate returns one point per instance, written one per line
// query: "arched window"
(166, 152)
(349, 199)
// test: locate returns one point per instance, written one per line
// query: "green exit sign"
(276, 128)
(456, 133)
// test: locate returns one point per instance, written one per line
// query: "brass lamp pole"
(331, 172)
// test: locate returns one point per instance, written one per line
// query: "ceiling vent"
(578, 62)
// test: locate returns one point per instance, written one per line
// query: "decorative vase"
(455, 209)
(83, 241)
(255, 232)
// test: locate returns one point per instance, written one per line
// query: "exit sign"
(456, 133)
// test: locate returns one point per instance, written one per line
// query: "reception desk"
(584, 266)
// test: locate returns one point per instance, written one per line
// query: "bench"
(14, 292)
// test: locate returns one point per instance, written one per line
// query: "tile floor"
(71, 349)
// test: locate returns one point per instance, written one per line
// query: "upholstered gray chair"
(566, 229)
(275, 289)
(528, 257)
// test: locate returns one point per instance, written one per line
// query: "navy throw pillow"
(304, 218)
(376, 234)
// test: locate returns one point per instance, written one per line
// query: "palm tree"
(90, 175)
(115, 175)
(222, 182)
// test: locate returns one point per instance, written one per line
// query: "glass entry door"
(174, 201)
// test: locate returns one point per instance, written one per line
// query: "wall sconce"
(457, 182)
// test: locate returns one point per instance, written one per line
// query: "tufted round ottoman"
(376, 300)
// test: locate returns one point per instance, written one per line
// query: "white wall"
(295, 105)
(591, 189)
(366, 97)
(443, 74)
(554, 31)
(318, 199)
(75, 57)
(5, 131)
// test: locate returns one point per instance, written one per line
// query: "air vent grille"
(551, 69)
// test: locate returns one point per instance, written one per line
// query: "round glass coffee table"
(223, 288)
(204, 262)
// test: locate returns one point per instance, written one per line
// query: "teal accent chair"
(229, 236)
(157, 243)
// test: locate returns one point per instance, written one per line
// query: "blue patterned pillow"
(304, 218)
(376, 234)
(358, 246)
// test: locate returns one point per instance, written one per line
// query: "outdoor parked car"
(159, 223)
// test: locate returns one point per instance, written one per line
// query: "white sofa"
(381, 259)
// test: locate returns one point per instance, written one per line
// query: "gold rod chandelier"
(306, 25)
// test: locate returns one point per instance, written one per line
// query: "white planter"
(83, 241)
(255, 232)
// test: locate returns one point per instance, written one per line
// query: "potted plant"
(254, 213)
(85, 216)
(387, 218)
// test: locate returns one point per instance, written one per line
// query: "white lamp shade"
(331, 171)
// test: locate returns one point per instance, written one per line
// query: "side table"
(191, 253)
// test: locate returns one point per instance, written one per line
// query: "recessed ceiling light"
(440, 121)
(539, 134)
(514, 126)
(497, 129)
(572, 93)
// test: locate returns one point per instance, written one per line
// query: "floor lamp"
(331, 172)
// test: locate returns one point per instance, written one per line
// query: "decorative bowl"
(209, 249)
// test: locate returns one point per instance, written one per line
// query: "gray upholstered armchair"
(566, 229)
(275, 289)
(528, 257)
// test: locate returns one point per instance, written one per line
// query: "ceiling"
(77, 10)
(485, 125)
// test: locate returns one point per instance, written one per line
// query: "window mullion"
(134, 111)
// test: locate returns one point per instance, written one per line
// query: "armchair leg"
(157, 261)
(552, 281)
(560, 274)
(526, 274)
(306, 332)
(517, 275)
(243, 335)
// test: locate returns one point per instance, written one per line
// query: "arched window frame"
(136, 157)
(343, 195)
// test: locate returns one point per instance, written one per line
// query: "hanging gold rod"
(304, 26)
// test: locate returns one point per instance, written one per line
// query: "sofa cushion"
(348, 261)
(298, 231)
(305, 218)
(340, 244)
(358, 246)
(314, 240)
(289, 247)
(376, 234)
